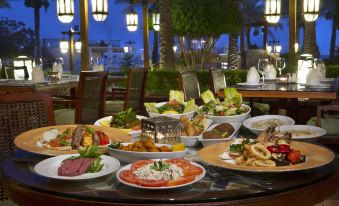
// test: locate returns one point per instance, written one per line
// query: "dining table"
(305, 187)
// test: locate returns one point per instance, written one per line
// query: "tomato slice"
(181, 180)
(192, 171)
(128, 176)
(140, 163)
(152, 183)
(184, 164)
(294, 156)
(137, 127)
(55, 142)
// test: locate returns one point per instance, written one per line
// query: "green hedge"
(332, 71)
(161, 81)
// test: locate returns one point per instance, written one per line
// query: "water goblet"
(280, 64)
(262, 65)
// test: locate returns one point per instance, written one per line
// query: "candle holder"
(163, 130)
(53, 76)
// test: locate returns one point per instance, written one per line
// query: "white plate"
(127, 167)
(131, 156)
(206, 142)
(319, 86)
(133, 133)
(49, 168)
(248, 122)
(245, 84)
(315, 131)
(191, 141)
(230, 119)
(327, 80)
(176, 116)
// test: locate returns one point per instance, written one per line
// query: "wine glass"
(280, 64)
(93, 61)
(37, 62)
(262, 65)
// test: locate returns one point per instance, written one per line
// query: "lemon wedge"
(178, 147)
(106, 122)
(170, 112)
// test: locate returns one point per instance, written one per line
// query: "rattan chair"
(89, 101)
(133, 95)
(20, 113)
(189, 84)
(10, 72)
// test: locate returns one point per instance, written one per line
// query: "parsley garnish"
(115, 145)
(160, 166)
(239, 148)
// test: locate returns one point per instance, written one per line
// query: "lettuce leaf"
(150, 107)
(177, 95)
(207, 96)
(190, 106)
(232, 96)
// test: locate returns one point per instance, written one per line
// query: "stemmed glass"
(280, 64)
(93, 61)
(262, 65)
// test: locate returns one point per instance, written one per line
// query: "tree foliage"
(37, 3)
(15, 38)
(4, 4)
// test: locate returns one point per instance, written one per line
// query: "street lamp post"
(70, 34)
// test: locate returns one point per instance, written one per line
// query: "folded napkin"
(313, 77)
(37, 74)
(322, 70)
(252, 76)
(270, 72)
(98, 67)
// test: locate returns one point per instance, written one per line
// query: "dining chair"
(189, 84)
(88, 103)
(218, 81)
(10, 72)
(20, 113)
(134, 93)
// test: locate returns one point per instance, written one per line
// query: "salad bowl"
(176, 116)
(232, 118)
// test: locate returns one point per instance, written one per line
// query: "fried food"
(144, 146)
(194, 127)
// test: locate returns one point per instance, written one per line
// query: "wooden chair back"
(91, 97)
(10, 72)
(135, 89)
(189, 84)
(218, 80)
(20, 113)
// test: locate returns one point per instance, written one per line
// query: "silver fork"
(261, 184)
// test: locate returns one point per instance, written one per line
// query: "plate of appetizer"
(231, 110)
(88, 164)
(192, 130)
(175, 107)
(161, 174)
(219, 133)
(300, 132)
(127, 121)
(131, 152)
(259, 124)
(66, 139)
(271, 151)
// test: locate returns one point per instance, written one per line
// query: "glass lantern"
(156, 21)
(99, 9)
(272, 11)
(163, 130)
(311, 10)
(132, 20)
(65, 10)
(78, 46)
(64, 46)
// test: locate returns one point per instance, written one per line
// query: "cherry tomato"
(184, 164)
(152, 183)
(55, 142)
(192, 171)
(294, 156)
(137, 127)
(221, 113)
(128, 176)
(140, 163)
(181, 180)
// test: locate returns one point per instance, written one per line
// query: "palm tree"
(36, 5)
(167, 60)
(4, 4)
(331, 11)
(233, 51)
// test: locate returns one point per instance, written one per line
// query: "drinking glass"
(93, 61)
(280, 64)
(37, 62)
(262, 65)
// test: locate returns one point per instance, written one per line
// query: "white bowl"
(206, 142)
(248, 122)
(230, 119)
(131, 156)
(176, 116)
(191, 141)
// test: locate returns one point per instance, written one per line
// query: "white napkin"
(322, 70)
(98, 67)
(58, 68)
(37, 74)
(313, 77)
(252, 76)
(270, 72)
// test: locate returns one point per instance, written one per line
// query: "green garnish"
(64, 142)
(160, 166)
(91, 151)
(125, 119)
(115, 145)
(96, 166)
(89, 129)
(239, 148)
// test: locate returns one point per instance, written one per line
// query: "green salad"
(232, 104)
(125, 120)
(175, 105)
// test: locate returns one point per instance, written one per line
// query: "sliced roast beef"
(77, 136)
(85, 165)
